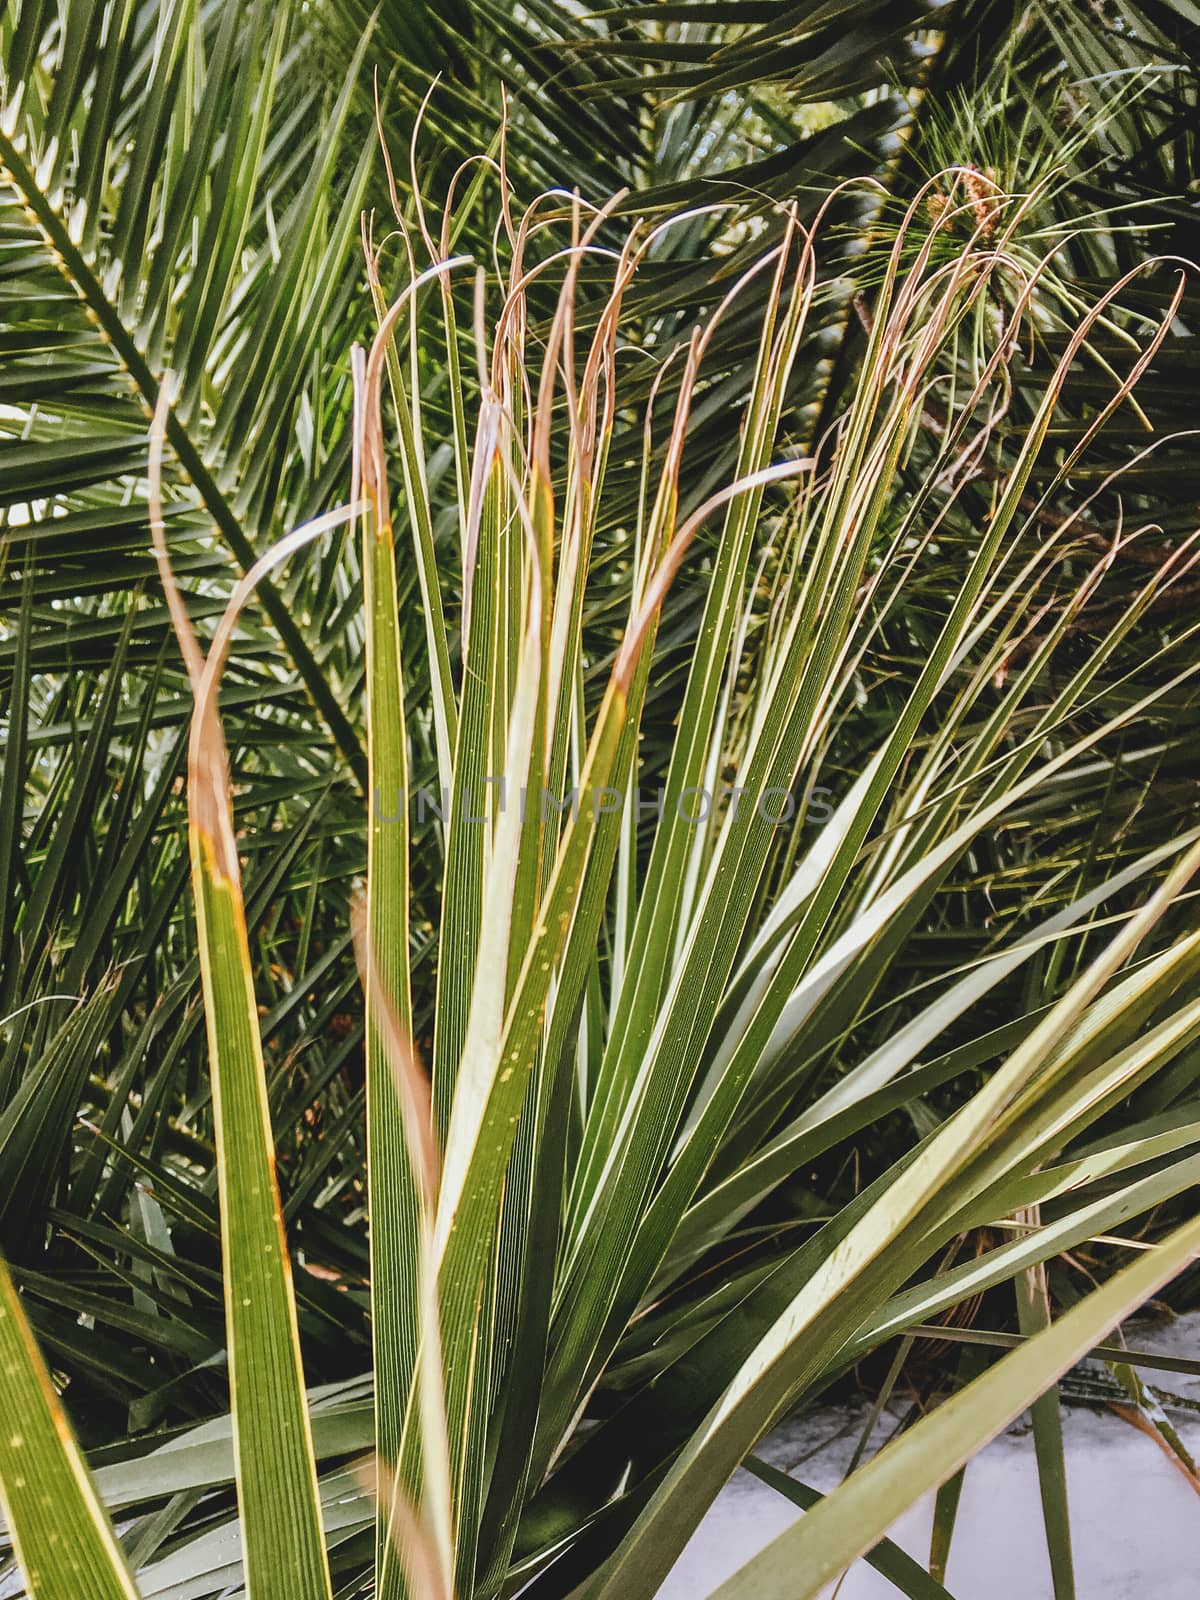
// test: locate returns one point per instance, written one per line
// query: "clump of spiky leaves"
(652, 1017)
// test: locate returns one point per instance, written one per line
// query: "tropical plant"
(180, 191)
(582, 1315)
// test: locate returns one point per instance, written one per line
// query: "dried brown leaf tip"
(409, 1533)
(408, 1075)
(208, 766)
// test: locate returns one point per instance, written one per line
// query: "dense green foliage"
(958, 627)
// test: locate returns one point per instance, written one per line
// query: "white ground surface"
(1135, 1520)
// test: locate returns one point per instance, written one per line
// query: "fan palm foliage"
(853, 779)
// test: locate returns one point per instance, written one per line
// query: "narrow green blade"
(63, 1538)
(284, 1546)
(392, 1197)
(1033, 1314)
(888, 1559)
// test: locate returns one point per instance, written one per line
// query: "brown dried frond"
(408, 1530)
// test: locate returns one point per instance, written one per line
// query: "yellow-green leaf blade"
(283, 1542)
(64, 1541)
